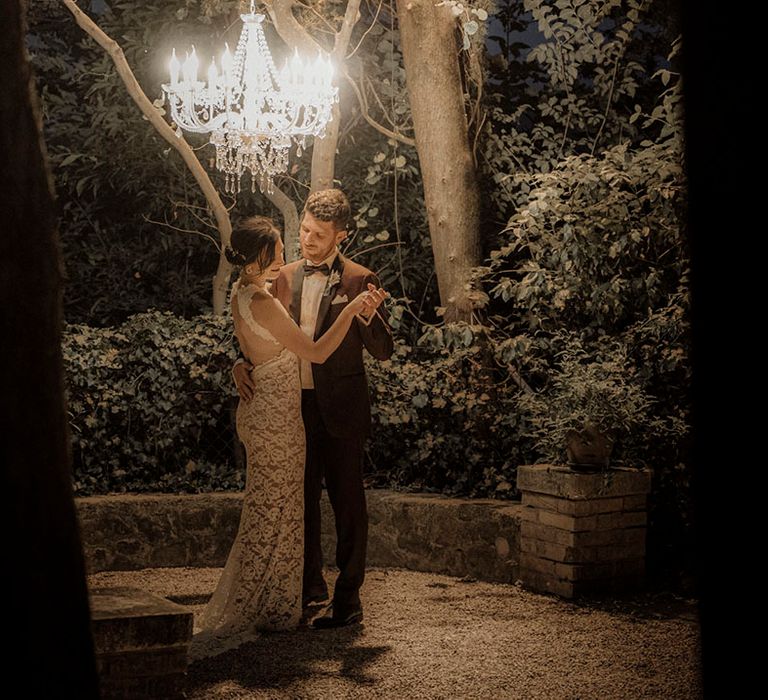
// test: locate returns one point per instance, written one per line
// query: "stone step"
(141, 643)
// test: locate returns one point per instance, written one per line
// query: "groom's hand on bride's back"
(241, 373)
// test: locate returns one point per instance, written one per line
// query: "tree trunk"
(220, 281)
(324, 155)
(50, 651)
(290, 222)
(433, 78)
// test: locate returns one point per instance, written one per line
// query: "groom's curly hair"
(329, 205)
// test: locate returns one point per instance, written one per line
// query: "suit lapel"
(297, 285)
(328, 294)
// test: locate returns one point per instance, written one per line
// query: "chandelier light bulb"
(253, 113)
(312, 73)
(285, 75)
(297, 68)
(212, 80)
(226, 61)
(190, 67)
(175, 67)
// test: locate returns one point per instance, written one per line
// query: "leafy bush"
(131, 216)
(597, 388)
(151, 405)
(598, 246)
(441, 424)
(598, 253)
(151, 408)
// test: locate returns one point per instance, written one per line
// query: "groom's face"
(318, 238)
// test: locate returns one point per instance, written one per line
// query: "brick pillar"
(582, 533)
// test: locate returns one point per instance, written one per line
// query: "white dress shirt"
(311, 296)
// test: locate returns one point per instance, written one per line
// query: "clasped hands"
(368, 301)
(364, 305)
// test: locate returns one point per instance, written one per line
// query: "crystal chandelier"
(252, 111)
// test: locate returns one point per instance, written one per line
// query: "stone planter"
(588, 450)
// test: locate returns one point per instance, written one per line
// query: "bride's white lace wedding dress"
(260, 587)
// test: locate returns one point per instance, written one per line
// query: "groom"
(335, 403)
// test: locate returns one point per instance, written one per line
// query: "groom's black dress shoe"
(338, 617)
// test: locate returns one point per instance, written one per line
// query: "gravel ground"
(431, 636)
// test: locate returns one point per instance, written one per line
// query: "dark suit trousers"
(340, 461)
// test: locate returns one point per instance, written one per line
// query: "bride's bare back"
(257, 343)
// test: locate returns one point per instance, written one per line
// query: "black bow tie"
(310, 269)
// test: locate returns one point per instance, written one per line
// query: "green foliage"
(599, 244)
(597, 388)
(470, 19)
(151, 404)
(586, 280)
(151, 408)
(577, 89)
(598, 250)
(589, 280)
(382, 176)
(392, 240)
(136, 232)
(440, 423)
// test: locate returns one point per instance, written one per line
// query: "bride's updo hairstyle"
(253, 241)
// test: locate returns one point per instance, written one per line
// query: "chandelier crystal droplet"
(253, 112)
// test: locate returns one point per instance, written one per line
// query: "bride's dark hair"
(253, 240)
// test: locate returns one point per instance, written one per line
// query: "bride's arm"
(267, 312)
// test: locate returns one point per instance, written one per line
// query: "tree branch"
(379, 127)
(182, 147)
(191, 210)
(351, 16)
(365, 251)
(287, 26)
(607, 106)
(367, 31)
(378, 101)
(178, 229)
(311, 9)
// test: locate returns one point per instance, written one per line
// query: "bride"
(260, 587)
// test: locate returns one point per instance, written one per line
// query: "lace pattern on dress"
(260, 587)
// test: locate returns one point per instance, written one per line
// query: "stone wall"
(423, 532)
(459, 537)
(126, 532)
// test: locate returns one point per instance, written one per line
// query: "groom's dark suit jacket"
(340, 383)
